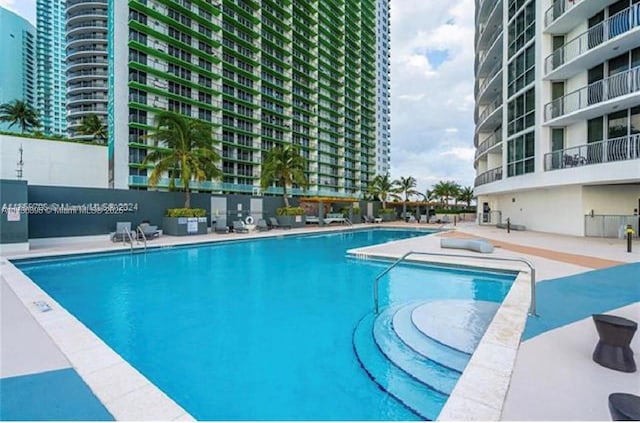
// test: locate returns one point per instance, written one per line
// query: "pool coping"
(480, 393)
(123, 390)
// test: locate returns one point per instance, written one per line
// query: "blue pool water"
(252, 330)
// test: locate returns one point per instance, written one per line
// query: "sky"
(432, 56)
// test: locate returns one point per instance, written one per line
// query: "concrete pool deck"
(554, 257)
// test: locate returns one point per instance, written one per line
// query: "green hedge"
(290, 211)
(455, 211)
(387, 211)
(186, 213)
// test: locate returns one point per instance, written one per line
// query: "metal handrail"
(127, 234)
(144, 237)
(532, 305)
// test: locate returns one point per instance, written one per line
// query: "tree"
(446, 189)
(406, 186)
(94, 126)
(187, 149)
(382, 188)
(466, 195)
(21, 113)
(285, 166)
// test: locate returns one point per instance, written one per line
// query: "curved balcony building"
(558, 114)
(87, 65)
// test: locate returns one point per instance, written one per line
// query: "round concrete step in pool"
(427, 347)
(416, 396)
(425, 370)
(458, 324)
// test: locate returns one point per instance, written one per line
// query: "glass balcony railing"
(606, 151)
(489, 176)
(557, 9)
(618, 85)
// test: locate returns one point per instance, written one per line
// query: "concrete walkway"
(549, 367)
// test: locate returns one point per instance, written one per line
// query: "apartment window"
(522, 70)
(520, 154)
(522, 28)
(521, 112)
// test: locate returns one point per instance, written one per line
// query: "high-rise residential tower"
(18, 54)
(558, 114)
(51, 42)
(383, 101)
(261, 74)
(86, 61)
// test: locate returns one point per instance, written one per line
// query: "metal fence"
(609, 226)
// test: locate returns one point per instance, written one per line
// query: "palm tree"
(406, 186)
(466, 195)
(382, 188)
(446, 189)
(188, 149)
(94, 126)
(21, 113)
(285, 166)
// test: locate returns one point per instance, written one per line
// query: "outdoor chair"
(122, 229)
(221, 226)
(238, 227)
(312, 219)
(149, 231)
(423, 218)
(262, 225)
(367, 219)
(274, 223)
(412, 219)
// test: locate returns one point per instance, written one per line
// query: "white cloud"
(432, 109)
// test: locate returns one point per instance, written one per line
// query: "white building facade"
(558, 114)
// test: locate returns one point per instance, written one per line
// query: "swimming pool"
(252, 330)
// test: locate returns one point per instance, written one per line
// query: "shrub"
(186, 212)
(387, 211)
(290, 211)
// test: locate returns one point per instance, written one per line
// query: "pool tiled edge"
(124, 391)
(481, 391)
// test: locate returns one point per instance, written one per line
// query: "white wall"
(611, 199)
(49, 162)
(556, 210)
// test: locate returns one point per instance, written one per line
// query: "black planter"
(181, 226)
(292, 221)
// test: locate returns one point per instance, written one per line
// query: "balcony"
(604, 96)
(486, 58)
(491, 85)
(138, 180)
(486, 145)
(603, 41)
(564, 15)
(611, 150)
(489, 176)
(492, 25)
(491, 117)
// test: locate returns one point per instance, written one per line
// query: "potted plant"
(292, 217)
(387, 215)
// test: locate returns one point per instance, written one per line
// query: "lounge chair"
(423, 218)
(221, 226)
(120, 235)
(262, 226)
(149, 231)
(313, 219)
(412, 219)
(274, 223)
(238, 227)
(377, 220)
(367, 219)
(334, 218)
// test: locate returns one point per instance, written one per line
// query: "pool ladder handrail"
(140, 232)
(126, 237)
(532, 305)
(347, 221)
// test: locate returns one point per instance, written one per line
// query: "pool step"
(415, 395)
(410, 335)
(416, 365)
(458, 324)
